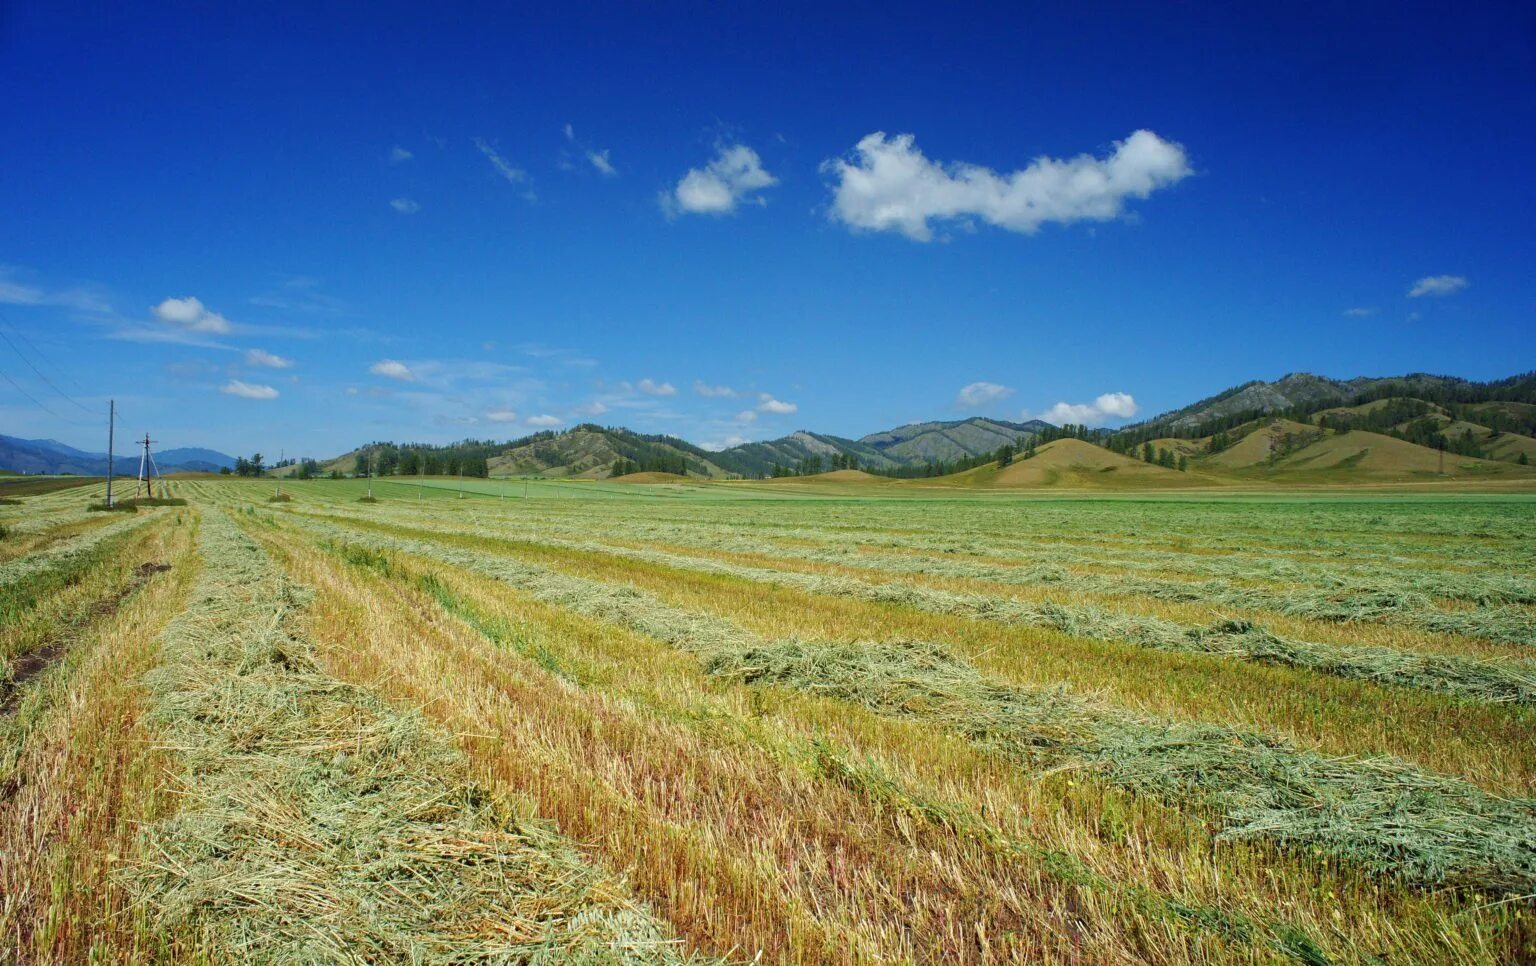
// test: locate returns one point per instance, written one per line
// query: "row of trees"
(659, 461)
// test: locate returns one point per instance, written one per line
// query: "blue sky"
(295, 229)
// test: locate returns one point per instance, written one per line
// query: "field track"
(676, 723)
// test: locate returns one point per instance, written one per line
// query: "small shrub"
(279, 498)
(125, 506)
(367, 499)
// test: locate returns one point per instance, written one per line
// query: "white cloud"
(392, 369)
(246, 390)
(652, 388)
(593, 408)
(190, 314)
(1111, 405)
(1360, 312)
(14, 294)
(397, 154)
(981, 394)
(599, 160)
(260, 357)
(544, 421)
(772, 405)
(889, 185)
(570, 132)
(717, 188)
(1437, 285)
(746, 416)
(501, 416)
(715, 446)
(405, 206)
(714, 392)
(512, 174)
(352, 390)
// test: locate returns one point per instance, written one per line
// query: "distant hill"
(1301, 427)
(1301, 393)
(52, 456)
(590, 451)
(911, 445)
(1073, 463)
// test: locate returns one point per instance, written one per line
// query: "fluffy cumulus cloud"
(653, 388)
(406, 206)
(1437, 285)
(713, 392)
(393, 370)
(261, 357)
(979, 394)
(501, 416)
(191, 314)
(768, 404)
(1111, 405)
(246, 390)
(889, 185)
(734, 176)
(544, 421)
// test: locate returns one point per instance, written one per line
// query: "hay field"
(733, 722)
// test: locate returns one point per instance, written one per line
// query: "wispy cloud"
(544, 421)
(509, 171)
(501, 416)
(1360, 312)
(768, 404)
(887, 184)
(734, 176)
(246, 390)
(979, 394)
(405, 206)
(399, 155)
(392, 370)
(653, 388)
(599, 160)
(1437, 285)
(261, 357)
(713, 392)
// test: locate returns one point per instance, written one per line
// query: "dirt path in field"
(38, 660)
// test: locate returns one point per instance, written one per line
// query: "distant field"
(820, 719)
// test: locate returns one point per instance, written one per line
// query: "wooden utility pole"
(111, 427)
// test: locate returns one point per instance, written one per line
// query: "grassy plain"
(813, 720)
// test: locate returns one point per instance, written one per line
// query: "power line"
(49, 382)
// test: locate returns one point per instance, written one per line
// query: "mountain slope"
(590, 451)
(914, 444)
(1302, 393)
(1073, 463)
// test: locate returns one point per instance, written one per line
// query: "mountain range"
(1490, 421)
(52, 456)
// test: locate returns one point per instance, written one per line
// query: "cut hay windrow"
(1490, 681)
(1337, 582)
(1404, 601)
(1377, 595)
(63, 553)
(318, 824)
(1382, 814)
